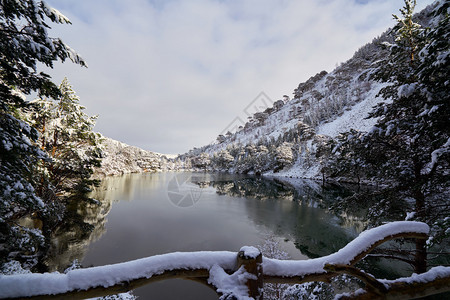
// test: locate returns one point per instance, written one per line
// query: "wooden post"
(251, 259)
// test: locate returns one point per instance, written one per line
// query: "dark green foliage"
(66, 135)
(411, 142)
(408, 151)
(24, 43)
(345, 159)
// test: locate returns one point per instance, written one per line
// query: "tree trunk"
(420, 256)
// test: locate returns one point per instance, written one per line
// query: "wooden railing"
(234, 276)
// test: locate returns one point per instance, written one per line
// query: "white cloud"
(170, 75)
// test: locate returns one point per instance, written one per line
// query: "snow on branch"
(248, 269)
(27, 285)
(54, 14)
(350, 254)
(436, 280)
(435, 155)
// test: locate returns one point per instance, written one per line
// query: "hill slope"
(120, 158)
(291, 137)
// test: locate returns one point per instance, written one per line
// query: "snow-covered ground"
(356, 117)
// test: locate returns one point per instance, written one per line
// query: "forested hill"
(119, 158)
(296, 137)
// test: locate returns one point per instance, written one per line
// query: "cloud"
(171, 75)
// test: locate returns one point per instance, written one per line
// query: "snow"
(435, 154)
(410, 215)
(13, 267)
(7, 145)
(116, 159)
(355, 117)
(407, 90)
(121, 296)
(356, 293)
(431, 275)
(433, 109)
(250, 252)
(345, 255)
(54, 13)
(25, 285)
(233, 284)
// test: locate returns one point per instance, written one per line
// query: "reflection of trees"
(84, 223)
(85, 220)
(123, 187)
(254, 188)
(298, 211)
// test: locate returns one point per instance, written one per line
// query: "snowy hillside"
(325, 105)
(294, 136)
(119, 158)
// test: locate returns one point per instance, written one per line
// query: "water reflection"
(135, 218)
(85, 220)
(84, 223)
(296, 210)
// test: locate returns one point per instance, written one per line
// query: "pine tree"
(222, 160)
(284, 156)
(408, 33)
(408, 149)
(24, 42)
(67, 137)
(201, 161)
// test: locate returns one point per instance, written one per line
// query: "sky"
(168, 76)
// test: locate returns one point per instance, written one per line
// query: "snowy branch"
(279, 271)
(247, 271)
(436, 280)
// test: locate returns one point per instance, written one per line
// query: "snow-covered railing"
(236, 276)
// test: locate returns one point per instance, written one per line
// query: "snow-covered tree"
(284, 156)
(261, 117)
(66, 134)
(408, 32)
(201, 161)
(323, 146)
(305, 132)
(345, 159)
(277, 105)
(24, 43)
(222, 160)
(221, 138)
(262, 159)
(409, 148)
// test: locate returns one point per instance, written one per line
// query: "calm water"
(147, 214)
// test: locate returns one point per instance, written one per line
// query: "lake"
(141, 215)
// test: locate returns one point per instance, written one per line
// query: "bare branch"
(372, 284)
